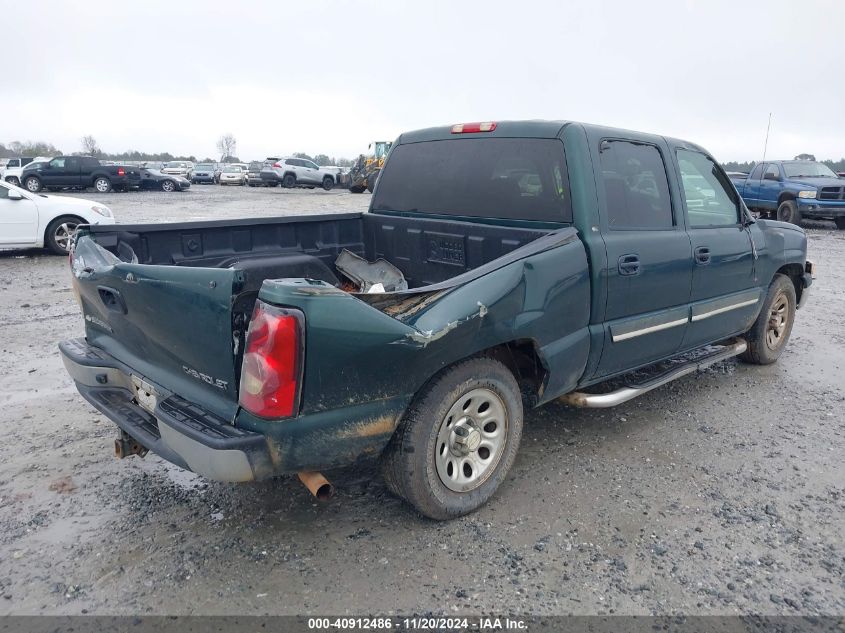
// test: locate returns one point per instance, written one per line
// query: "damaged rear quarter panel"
(363, 366)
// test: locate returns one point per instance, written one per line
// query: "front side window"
(635, 185)
(758, 171)
(711, 198)
(57, 163)
(772, 173)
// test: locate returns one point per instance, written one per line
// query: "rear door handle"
(629, 264)
(702, 255)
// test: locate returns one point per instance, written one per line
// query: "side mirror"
(15, 195)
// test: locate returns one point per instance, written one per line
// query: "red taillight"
(272, 365)
(276, 165)
(121, 171)
(468, 128)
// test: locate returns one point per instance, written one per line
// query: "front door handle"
(702, 255)
(629, 264)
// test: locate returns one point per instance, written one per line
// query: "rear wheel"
(59, 234)
(770, 332)
(14, 181)
(840, 223)
(289, 181)
(102, 184)
(33, 184)
(457, 441)
(788, 212)
(328, 183)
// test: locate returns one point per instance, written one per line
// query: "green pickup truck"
(501, 265)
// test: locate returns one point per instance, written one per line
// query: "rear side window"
(508, 178)
(711, 198)
(635, 186)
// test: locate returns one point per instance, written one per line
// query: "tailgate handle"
(111, 299)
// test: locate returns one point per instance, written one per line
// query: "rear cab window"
(502, 178)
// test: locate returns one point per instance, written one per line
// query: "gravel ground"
(720, 493)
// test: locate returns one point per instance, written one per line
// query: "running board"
(604, 400)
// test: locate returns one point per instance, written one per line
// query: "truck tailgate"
(170, 324)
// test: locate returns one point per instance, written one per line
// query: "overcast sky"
(329, 77)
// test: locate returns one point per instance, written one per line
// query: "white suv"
(182, 168)
(298, 172)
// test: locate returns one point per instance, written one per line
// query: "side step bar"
(604, 400)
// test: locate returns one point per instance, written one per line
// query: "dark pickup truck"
(794, 189)
(79, 172)
(501, 265)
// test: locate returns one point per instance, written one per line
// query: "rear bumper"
(178, 431)
(185, 434)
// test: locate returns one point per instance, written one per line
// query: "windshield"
(232, 170)
(517, 178)
(207, 166)
(174, 164)
(807, 169)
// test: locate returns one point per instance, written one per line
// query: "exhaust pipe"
(317, 485)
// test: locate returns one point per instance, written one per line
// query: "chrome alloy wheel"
(64, 233)
(778, 321)
(471, 440)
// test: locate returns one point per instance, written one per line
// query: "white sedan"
(233, 175)
(30, 220)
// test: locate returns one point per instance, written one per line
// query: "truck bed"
(427, 251)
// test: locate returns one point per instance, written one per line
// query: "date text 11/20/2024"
(417, 624)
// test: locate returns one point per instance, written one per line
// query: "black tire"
(328, 183)
(357, 189)
(788, 212)
(102, 184)
(58, 233)
(769, 335)
(33, 184)
(289, 181)
(168, 186)
(14, 181)
(410, 462)
(840, 223)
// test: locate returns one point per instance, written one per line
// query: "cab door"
(725, 296)
(771, 186)
(649, 260)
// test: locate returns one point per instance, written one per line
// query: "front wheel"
(788, 212)
(840, 223)
(168, 186)
(59, 234)
(102, 185)
(457, 441)
(768, 336)
(328, 183)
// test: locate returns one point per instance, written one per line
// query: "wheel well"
(795, 273)
(524, 362)
(785, 196)
(329, 176)
(78, 219)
